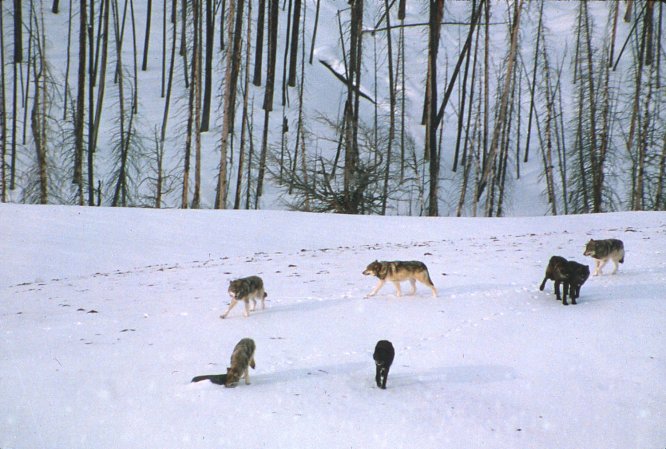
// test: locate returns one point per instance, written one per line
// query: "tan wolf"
(397, 271)
(246, 289)
(604, 250)
(241, 360)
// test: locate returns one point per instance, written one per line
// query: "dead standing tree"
(352, 188)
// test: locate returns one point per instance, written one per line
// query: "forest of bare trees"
(419, 107)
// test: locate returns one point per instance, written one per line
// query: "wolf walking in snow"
(569, 273)
(246, 289)
(383, 356)
(397, 271)
(604, 250)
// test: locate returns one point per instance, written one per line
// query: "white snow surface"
(107, 314)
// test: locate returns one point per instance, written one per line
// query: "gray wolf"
(569, 273)
(241, 360)
(246, 289)
(397, 271)
(602, 251)
(384, 354)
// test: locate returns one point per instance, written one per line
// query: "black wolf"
(384, 354)
(569, 273)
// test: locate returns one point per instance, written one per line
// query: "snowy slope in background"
(108, 313)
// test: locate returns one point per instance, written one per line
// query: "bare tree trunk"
(146, 42)
(208, 77)
(3, 113)
(392, 103)
(504, 99)
(80, 102)
(436, 10)
(167, 101)
(191, 125)
(533, 84)
(244, 118)
(259, 44)
(269, 91)
(293, 56)
(38, 121)
(314, 31)
(233, 61)
(92, 144)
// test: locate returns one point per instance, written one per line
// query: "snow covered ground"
(106, 315)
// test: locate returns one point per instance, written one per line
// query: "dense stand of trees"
(417, 107)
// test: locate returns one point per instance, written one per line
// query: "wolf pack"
(568, 274)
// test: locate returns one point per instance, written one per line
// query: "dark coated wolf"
(602, 251)
(241, 360)
(384, 354)
(397, 271)
(570, 274)
(246, 289)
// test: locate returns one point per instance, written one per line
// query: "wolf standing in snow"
(242, 359)
(569, 273)
(383, 356)
(604, 250)
(246, 289)
(397, 271)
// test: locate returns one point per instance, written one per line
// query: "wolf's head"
(373, 269)
(590, 248)
(237, 289)
(232, 378)
(578, 273)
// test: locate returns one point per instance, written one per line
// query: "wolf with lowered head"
(242, 359)
(397, 271)
(604, 250)
(569, 273)
(246, 289)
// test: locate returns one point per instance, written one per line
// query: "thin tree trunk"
(259, 44)
(293, 56)
(231, 56)
(80, 102)
(392, 103)
(3, 113)
(436, 10)
(146, 42)
(92, 145)
(208, 77)
(504, 99)
(269, 92)
(533, 84)
(244, 118)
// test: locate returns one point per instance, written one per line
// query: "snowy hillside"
(106, 315)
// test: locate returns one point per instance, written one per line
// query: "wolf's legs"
(599, 266)
(231, 306)
(413, 283)
(247, 376)
(247, 307)
(557, 290)
(616, 266)
(254, 304)
(380, 284)
(398, 292)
